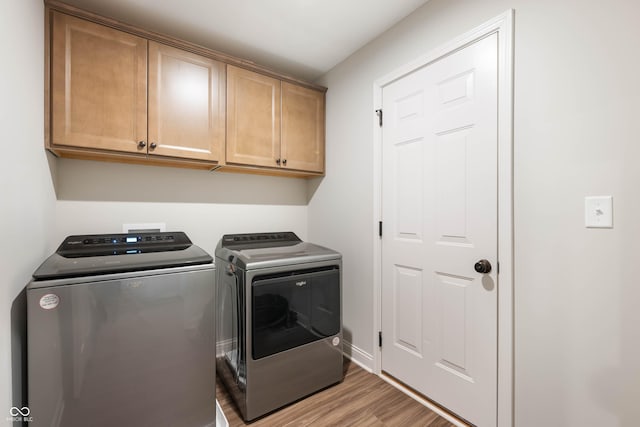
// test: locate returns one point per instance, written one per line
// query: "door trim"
(503, 26)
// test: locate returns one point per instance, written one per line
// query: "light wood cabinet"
(98, 85)
(302, 144)
(253, 118)
(273, 123)
(104, 97)
(119, 93)
(186, 104)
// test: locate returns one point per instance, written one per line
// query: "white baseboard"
(358, 356)
(221, 345)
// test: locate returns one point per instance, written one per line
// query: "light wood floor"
(361, 399)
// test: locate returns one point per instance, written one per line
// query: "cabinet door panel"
(99, 86)
(186, 104)
(302, 128)
(253, 118)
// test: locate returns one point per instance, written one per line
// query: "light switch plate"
(598, 212)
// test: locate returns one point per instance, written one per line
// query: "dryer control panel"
(259, 240)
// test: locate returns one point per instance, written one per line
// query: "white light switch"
(598, 212)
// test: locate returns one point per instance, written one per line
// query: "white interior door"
(439, 208)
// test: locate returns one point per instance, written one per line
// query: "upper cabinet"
(99, 86)
(302, 144)
(115, 92)
(273, 123)
(186, 104)
(253, 118)
(120, 93)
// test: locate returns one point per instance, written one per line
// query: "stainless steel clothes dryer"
(279, 334)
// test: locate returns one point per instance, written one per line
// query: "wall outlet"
(598, 212)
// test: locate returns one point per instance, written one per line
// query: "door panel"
(455, 295)
(186, 104)
(408, 190)
(99, 84)
(407, 303)
(253, 118)
(439, 191)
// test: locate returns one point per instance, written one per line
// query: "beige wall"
(27, 199)
(98, 197)
(577, 93)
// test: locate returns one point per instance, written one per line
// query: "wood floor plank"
(361, 399)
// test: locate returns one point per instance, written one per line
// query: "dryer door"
(294, 308)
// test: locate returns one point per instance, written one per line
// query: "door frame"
(503, 26)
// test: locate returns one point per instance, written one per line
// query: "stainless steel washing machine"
(279, 335)
(121, 332)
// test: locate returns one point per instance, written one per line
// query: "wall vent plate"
(144, 227)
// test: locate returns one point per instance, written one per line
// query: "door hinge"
(380, 228)
(379, 113)
(379, 338)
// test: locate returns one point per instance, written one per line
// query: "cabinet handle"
(284, 162)
(142, 144)
(278, 162)
(153, 146)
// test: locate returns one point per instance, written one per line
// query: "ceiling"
(301, 38)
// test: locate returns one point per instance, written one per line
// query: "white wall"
(577, 93)
(27, 197)
(98, 197)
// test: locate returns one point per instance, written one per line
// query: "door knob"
(483, 266)
(142, 144)
(278, 162)
(153, 146)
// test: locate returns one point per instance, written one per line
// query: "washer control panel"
(118, 244)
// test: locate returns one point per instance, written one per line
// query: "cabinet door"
(302, 128)
(253, 118)
(99, 86)
(186, 104)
